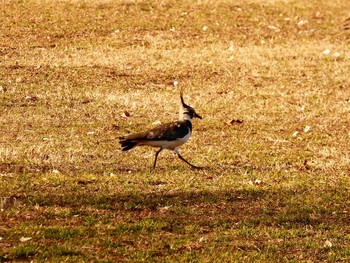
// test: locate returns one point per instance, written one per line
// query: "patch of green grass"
(24, 252)
(61, 233)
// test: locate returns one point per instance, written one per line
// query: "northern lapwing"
(166, 136)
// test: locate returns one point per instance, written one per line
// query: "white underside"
(169, 145)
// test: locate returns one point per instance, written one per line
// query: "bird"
(167, 136)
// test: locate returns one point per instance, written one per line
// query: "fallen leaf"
(336, 54)
(115, 127)
(158, 182)
(295, 134)
(256, 182)
(274, 28)
(173, 83)
(158, 122)
(307, 128)
(306, 166)
(302, 108)
(125, 114)
(165, 208)
(318, 15)
(115, 32)
(82, 182)
(328, 244)
(346, 24)
(302, 22)
(235, 121)
(31, 98)
(86, 101)
(201, 239)
(25, 239)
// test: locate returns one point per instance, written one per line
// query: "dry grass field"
(271, 80)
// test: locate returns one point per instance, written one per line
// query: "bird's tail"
(127, 144)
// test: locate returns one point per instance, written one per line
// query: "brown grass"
(274, 188)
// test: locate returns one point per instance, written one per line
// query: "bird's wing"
(168, 131)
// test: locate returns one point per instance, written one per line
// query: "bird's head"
(187, 112)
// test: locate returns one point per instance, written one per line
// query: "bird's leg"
(155, 160)
(183, 159)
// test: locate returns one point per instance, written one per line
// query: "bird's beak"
(198, 116)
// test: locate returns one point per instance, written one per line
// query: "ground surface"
(271, 80)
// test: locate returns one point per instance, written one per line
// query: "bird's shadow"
(251, 206)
